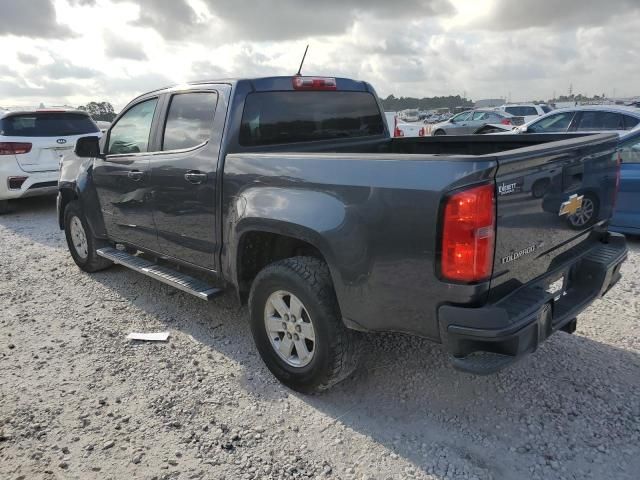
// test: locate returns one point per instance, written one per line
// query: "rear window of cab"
(49, 124)
(271, 118)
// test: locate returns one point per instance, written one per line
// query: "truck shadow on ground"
(408, 399)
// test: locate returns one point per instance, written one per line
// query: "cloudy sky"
(75, 51)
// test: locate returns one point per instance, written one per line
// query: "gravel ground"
(77, 400)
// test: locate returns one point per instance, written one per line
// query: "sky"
(75, 51)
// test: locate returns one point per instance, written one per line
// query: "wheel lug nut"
(293, 319)
(298, 328)
(288, 335)
(284, 325)
(296, 337)
(286, 317)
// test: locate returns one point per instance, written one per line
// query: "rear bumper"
(35, 183)
(485, 340)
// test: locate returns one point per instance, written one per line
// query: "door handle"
(195, 177)
(135, 175)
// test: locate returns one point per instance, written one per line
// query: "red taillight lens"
(314, 83)
(468, 235)
(14, 148)
(505, 121)
(422, 132)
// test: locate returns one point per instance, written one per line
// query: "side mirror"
(88, 147)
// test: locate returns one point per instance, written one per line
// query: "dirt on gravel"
(80, 401)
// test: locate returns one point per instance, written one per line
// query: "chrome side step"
(176, 279)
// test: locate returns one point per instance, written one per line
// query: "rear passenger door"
(183, 175)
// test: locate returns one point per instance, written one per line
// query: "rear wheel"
(297, 326)
(4, 206)
(81, 242)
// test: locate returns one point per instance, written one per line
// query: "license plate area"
(557, 285)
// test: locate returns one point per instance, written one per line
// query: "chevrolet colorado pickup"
(290, 191)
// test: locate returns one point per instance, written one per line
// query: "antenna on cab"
(303, 57)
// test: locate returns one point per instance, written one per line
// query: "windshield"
(271, 118)
(49, 124)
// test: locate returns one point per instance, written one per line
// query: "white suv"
(529, 111)
(32, 144)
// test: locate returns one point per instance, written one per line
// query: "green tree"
(99, 110)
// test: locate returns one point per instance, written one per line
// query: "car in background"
(529, 111)
(32, 144)
(626, 218)
(409, 115)
(469, 122)
(584, 119)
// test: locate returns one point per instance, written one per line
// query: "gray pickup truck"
(290, 191)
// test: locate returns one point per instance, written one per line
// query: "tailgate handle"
(135, 175)
(195, 177)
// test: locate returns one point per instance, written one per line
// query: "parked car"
(626, 218)
(470, 122)
(528, 111)
(584, 119)
(31, 146)
(409, 115)
(290, 191)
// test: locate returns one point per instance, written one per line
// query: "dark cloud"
(521, 14)
(18, 89)
(32, 18)
(27, 58)
(64, 69)
(266, 20)
(118, 47)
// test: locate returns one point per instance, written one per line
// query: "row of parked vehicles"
(292, 192)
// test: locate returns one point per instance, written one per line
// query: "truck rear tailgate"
(550, 199)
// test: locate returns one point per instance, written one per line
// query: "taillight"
(468, 235)
(14, 148)
(422, 132)
(505, 121)
(314, 83)
(398, 133)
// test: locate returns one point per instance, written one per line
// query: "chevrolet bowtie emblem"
(571, 206)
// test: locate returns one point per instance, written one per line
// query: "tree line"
(395, 104)
(99, 110)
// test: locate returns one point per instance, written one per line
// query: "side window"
(131, 132)
(630, 151)
(630, 122)
(553, 123)
(596, 121)
(462, 117)
(189, 120)
(479, 116)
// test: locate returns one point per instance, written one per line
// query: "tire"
(591, 207)
(335, 350)
(439, 133)
(84, 254)
(4, 207)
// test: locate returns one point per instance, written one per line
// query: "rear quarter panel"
(373, 219)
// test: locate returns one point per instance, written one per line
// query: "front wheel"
(81, 242)
(439, 133)
(297, 326)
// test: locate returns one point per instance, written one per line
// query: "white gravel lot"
(78, 401)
